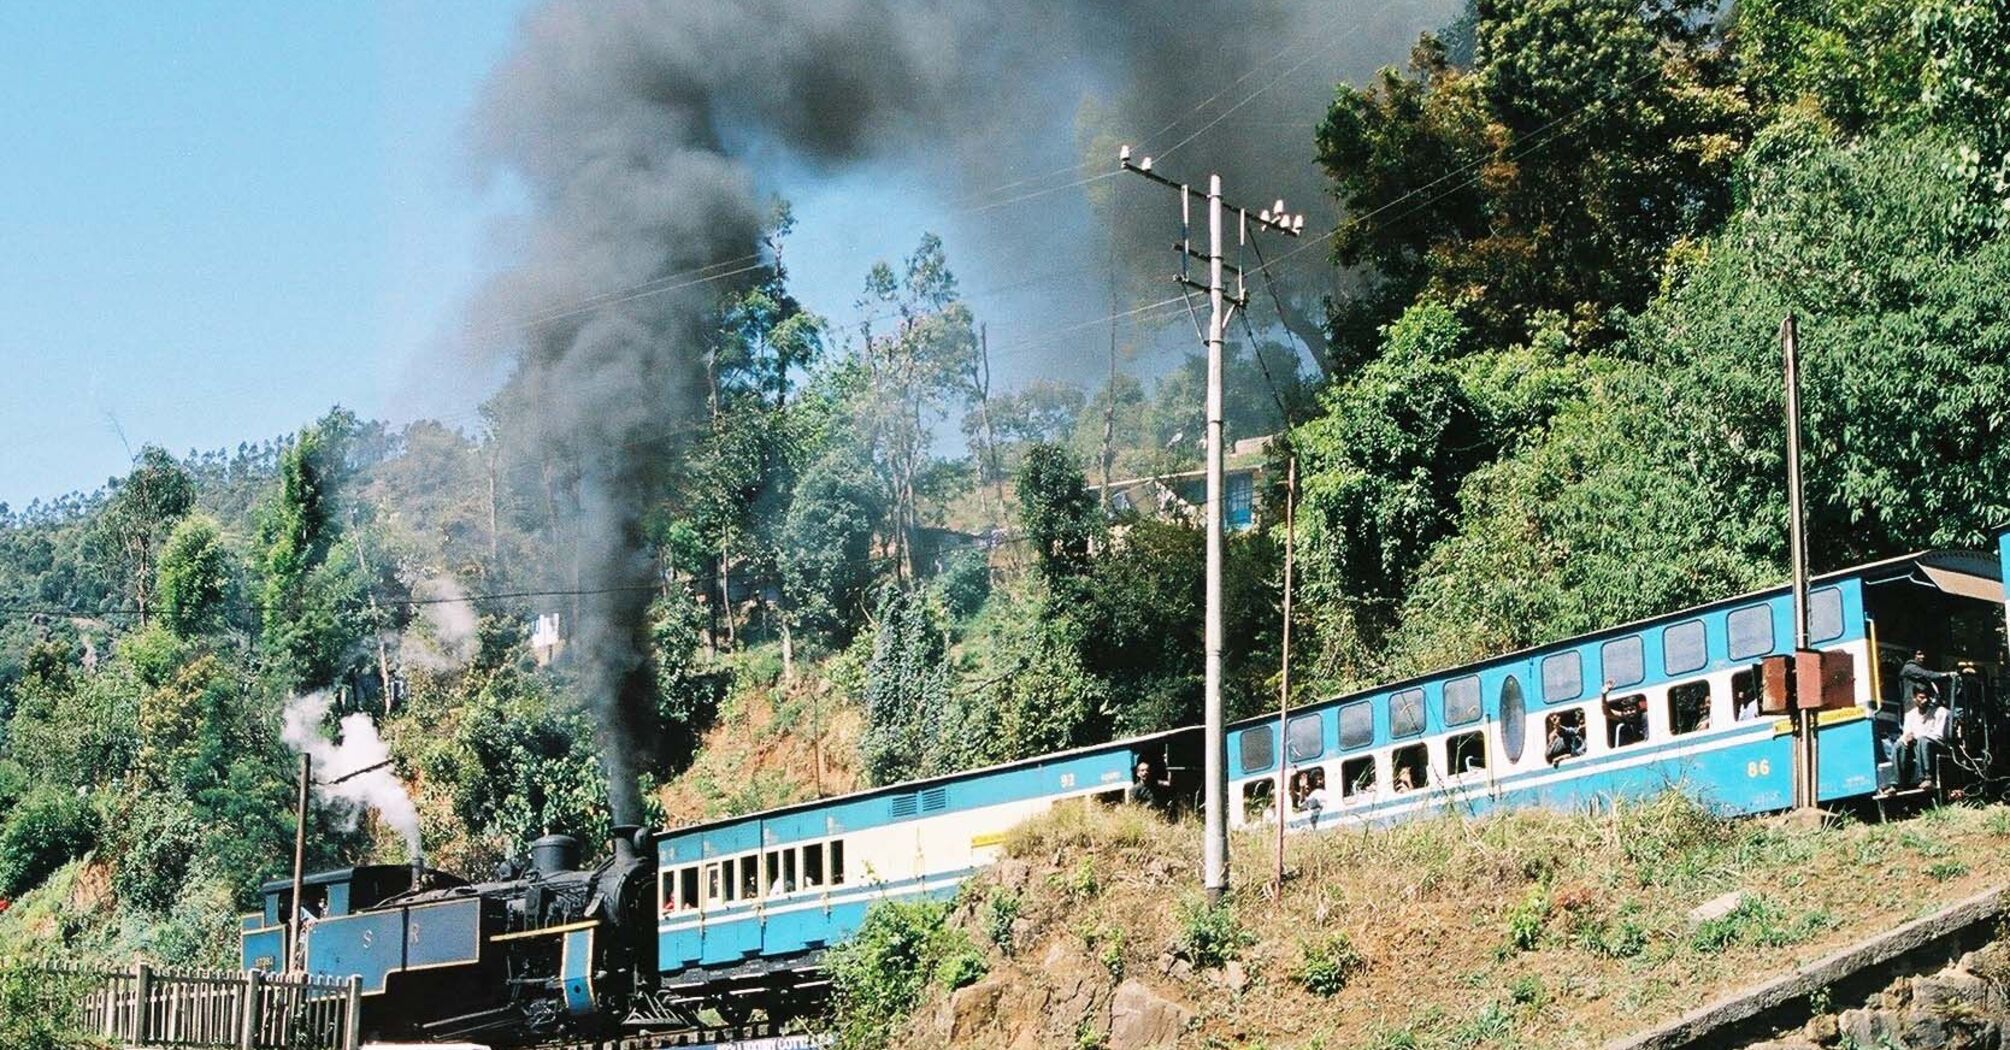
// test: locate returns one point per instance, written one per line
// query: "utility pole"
(1807, 722)
(1284, 674)
(1221, 303)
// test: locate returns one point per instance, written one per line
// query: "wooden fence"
(218, 1009)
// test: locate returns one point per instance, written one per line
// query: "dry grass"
(1527, 929)
(762, 751)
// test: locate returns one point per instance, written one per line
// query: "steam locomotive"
(547, 947)
(730, 917)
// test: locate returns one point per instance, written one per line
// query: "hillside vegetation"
(1530, 929)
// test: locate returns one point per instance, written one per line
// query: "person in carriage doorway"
(1148, 788)
(1924, 735)
(1915, 675)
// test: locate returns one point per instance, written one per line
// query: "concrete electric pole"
(1221, 303)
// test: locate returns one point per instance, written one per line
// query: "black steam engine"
(549, 948)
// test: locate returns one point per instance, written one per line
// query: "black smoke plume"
(646, 130)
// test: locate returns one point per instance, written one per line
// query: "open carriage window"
(1357, 776)
(1563, 735)
(1411, 768)
(1688, 707)
(1466, 753)
(1745, 690)
(1308, 790)
(1626, 720)
(1257, 797)
(813, 866)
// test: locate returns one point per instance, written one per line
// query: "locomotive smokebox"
(553, 854)
(624, 842)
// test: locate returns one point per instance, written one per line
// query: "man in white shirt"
(1924, 734)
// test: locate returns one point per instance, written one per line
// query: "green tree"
(906, 689)
(826, 557)
(1058, 512)
(1588, 139)
(194, 576)
(136, 520)
(49, 828)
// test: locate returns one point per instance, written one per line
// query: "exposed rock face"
(1142, 1019)
(1963, 1007)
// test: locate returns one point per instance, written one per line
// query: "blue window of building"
(1406, 713)
(1303, 739)
(1238, 511)
(1825, 614)
(1257, 749)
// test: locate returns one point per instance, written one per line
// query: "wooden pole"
(1284, 675)
(1807, 724)
(299, 862)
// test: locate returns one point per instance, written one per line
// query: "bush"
(965, 583)
(1001, 910)
(1760, 923)
(879, 976)
(1326, 965)
(1209, 935)
(47, 830)
(1527, 919)
(38, 1011)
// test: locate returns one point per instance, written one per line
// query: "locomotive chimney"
(624, 842)
(554, 853)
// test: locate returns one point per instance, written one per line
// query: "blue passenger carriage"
(1533, 728)
(748, 901)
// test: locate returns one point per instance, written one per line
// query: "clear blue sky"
(217, 219)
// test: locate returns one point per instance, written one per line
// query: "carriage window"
(1466, 753)
(813, 866)
(1303, 739)
(722, 882)
(773, 878)
(1357, 725)
(788, 871)
(837, 862)
(1688, 707)
(1622, 660)
(687, 887)
(1751, 631)
(1825, 615)
(1257, 752)
(1308, 789)
(1462, 700)
(1357, 776)
(1513, 721)
(1562, 677)
(1256, 796)
(666, 891)
(1411, 766)
(1406, 713)
(1745, 692)
(1563, 735)
(1626, 720)
(1683, 648)
(750, 877)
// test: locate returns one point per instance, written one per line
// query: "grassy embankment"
(1529, 929)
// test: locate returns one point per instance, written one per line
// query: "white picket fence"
(219, 1009)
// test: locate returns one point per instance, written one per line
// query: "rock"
(1142, 1019)
(1012, 873)
(1716, 907)
(971, 1009)
(1924, 1030)
(1789, 1043)
(1863, 1027)
(1937, 992)
(1821, 1030)
(1234, 976)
